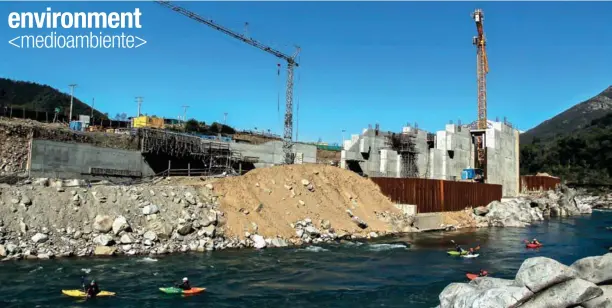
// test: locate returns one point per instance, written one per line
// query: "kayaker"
(483, 273)
(185, 285)
(535, 242)
(458, 248)
(471, 251)
(92, 290)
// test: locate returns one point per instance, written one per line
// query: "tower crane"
(291, 64)
(482, 69)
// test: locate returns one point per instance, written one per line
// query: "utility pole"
(71, 99)
(139, 101)
(185, 112)
(225, 118)
(93, 100)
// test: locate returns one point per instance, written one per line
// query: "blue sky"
(361, 62)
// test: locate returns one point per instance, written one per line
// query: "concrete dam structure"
(443, 155)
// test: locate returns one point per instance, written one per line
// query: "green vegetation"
(33, 96)
(581, 156)
(193, 126)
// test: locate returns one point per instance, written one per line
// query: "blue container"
(468, 174)
(76, 125)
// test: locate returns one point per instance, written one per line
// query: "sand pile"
(271, 199)
(460, 219)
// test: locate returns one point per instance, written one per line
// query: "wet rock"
(103, 223)
(39, 238)
(121, 224)
(259, 242)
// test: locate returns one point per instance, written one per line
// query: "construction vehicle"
(472, 175)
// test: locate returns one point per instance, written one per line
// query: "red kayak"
(471, 276)
(530, 245)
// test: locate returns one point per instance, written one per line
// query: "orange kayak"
(471, 276)
(181, 291)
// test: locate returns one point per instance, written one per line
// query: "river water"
(381, 274)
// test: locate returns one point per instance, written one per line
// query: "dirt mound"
(459, 219)
(271, 199)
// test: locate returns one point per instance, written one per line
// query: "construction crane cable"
(291, 64)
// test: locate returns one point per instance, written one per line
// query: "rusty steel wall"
(536, 183)
(438, 195)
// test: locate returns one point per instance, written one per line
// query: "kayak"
(470, 256)
(80, 293)
(471, 276)
(533, 245)
(173, 290)
(456, 253)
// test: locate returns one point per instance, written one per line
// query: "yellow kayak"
(80, 293)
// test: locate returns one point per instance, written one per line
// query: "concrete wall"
(271, 153)
(453, 151)
(74, 160)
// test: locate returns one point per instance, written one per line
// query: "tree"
(192, 126)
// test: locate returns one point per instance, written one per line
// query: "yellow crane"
(291, 63)
(482, 69)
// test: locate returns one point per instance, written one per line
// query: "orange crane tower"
(291, 64)
(482, 69)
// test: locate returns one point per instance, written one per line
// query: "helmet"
(484, 272)
(185, 279)
(93, 282)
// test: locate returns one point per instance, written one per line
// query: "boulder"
(161, 228)
(565, 294)
(540, 272)
(312, 231)
(150, 209)
(494, 298)
(278, 242)
(481, 211)
(103, 240)
(596, 269)
(150, 236)
(491, 282)
(184, 229)
(452, 291)
(208, 231)
(105, 251)
(603, 301)
(3, 251)
(103, 223)
(126, 239)
(39, 238)
(259, 242)
(120, 224)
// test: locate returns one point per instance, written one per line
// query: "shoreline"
(49, 219)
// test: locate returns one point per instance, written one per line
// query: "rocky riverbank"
(44, 218)
(540, 282)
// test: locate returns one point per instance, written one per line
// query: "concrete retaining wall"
(271, 153)
(71, 160)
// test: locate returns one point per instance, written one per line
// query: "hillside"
(34, 96)
(584, 156)
(576, 117)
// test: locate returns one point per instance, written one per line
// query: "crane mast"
(291, 64)
(482, 69)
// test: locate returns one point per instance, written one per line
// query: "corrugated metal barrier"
(535, 183)
(438, 195)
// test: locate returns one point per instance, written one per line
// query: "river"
(381, 274)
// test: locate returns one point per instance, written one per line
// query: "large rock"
(259, 242)
(103, 223)
(565, 294)
(150, 209)
(513, 213)
(3, 251)
(39, 238)
(120, 224)
(539, 273)
(126, 239)
(161, 228)
(184, 229)
(603, 301)
(494, 298)
(452, 291)
(481, 211)
(105, 251)
(491, 282)
(594, 269)
(278, 242)
(150, 236)
(104, 240)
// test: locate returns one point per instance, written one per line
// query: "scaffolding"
(217, 157)
(404, 144)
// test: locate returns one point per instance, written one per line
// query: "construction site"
(484, 151)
